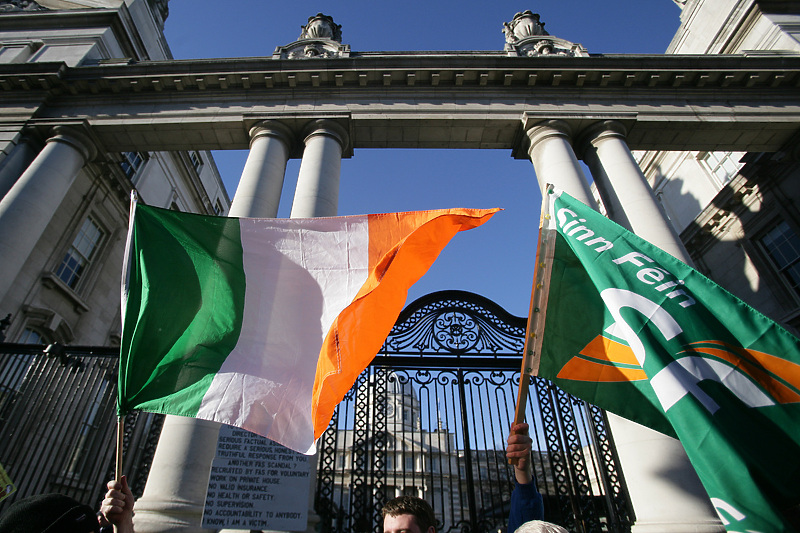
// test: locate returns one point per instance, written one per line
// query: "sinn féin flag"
(625, 326)
(265, 324)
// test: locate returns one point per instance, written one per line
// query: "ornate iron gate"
(430, 417)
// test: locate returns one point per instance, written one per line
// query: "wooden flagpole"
(120, 435)
(121, 417)
(534, 330)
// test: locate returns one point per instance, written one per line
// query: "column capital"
(600, 131)
(540, 131)
(272, 128)
(33, 136)
(75, 138)
(328, 128)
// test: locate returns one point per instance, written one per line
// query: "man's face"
(403, 523)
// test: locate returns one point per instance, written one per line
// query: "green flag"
(622, 324)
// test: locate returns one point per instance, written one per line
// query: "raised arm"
(526, 502)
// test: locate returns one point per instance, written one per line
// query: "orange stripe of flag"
(402, 247)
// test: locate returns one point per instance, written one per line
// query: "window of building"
(131, 163)
(30, 336)
(781, 244)
(197, 161)
(218, 209)
(722, 165)
(80, 253)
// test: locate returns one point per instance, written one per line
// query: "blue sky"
(496, 259)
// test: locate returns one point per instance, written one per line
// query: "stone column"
(27, 208)
(15, 163)
(664, 489)
(175, 493)
(259, 190)
(554, 160)
(629, 199)
(317, 193)
(174, 496)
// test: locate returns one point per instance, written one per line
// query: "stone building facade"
(64, 284)
(736, 210)
(86, 116)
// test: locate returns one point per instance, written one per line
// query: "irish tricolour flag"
(265, 324)
(626, 326)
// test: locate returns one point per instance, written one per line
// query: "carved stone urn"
(321, 27)
(321, 38)
(526, 37)
(522, 26)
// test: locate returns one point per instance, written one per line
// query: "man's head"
(49, 513)
(537, 526)
(408, 514)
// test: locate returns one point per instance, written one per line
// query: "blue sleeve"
(526, 505)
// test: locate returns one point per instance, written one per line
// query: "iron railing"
(431, 415)
(58, 422)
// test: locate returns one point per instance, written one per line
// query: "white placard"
(256, 484)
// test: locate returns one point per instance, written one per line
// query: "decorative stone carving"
(522, 26)
(7, 6)
(320, 38)
(526, 36)
(321, 27)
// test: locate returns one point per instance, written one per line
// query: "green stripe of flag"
(183, 310)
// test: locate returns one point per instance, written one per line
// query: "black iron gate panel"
(430, 418)
(58, 422)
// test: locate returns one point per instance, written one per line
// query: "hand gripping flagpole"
(534, 332)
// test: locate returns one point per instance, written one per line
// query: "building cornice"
(668, 102)
(419, 71)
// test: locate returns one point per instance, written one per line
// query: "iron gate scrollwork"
(430, 417)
